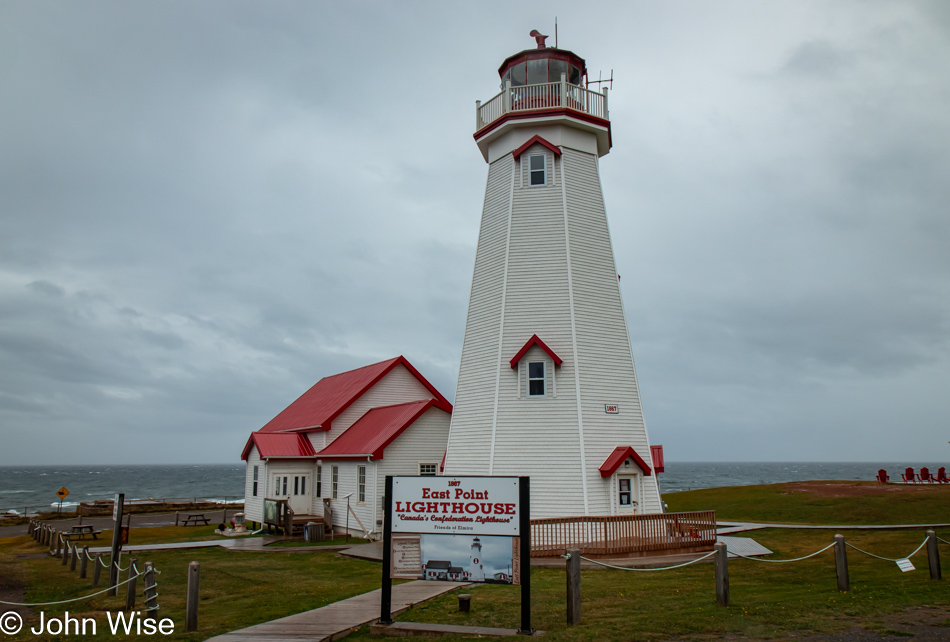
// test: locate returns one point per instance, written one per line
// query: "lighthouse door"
(627, 494)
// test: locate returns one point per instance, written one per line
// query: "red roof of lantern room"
(375, 430)
(316, 408)
(279, 445)
(620, 455)
(534, 340)
(549, 53)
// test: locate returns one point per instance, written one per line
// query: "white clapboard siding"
(254, 506)
(545, 266)
(397, 386)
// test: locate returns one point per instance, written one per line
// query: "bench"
(82, 530)
(196, 519)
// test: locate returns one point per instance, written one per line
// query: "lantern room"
(536, 66)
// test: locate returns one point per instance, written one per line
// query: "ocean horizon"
(34, 487)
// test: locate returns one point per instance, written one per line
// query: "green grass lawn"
(768, 600)
(821, 503)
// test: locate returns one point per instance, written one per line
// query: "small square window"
(536, 379)
(536, 166)
(428, 470)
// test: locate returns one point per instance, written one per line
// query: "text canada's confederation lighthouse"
(547, 385)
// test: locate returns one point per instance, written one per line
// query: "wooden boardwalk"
(335, 620)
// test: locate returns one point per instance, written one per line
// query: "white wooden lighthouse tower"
(547, 385)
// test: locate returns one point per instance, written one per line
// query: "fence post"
(841, 563)
(506, 98)
(151, 594)
(65, 551)
(97, 572)
(72, 555)
(176, 518)
(59, 544)
(606, 115)
(191, 600)
(933, 555)
(573, 565)
(478, 113)
(84, 562)
(722, 574)
(130, 592)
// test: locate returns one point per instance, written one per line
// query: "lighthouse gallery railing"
(548, 95)
(622, 535)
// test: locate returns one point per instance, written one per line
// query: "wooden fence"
(624, 535)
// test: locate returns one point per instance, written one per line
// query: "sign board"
(612, 409)
(456, 505)
(115, 511)
(62, 492)
(457, 529)
(905, 565)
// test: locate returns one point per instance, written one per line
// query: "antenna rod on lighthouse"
(555, 32)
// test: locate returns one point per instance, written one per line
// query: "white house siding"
(538, 283)
(254, 506)
(470, 435)
(397, 386)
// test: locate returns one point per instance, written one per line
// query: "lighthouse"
(547, 385)
(475, 565)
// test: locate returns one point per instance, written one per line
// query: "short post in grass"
(73, 554)
(84, 562)
(65, 559)
(151, 593)
(933, 555)
(97, 571)
(722, 574)
(841, 563)
(191, 601)
(573, 566)
(130, 587)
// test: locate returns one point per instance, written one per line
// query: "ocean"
(34, 487)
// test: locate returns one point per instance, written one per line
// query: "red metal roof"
(656, 453)
(375, 430)
(282, 445)
(620, 455)
(534, 340)
(316, 408)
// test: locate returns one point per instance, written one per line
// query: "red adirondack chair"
(908, 475)
(942, 476)
(925, 475)
(882, 476)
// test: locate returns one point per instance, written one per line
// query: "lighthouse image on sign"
(547, 385)
(475, 566)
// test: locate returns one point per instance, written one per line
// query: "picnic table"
(196, 519)
(81, 530)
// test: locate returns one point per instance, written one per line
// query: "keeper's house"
(342, 437)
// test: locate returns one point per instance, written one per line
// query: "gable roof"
(319, 406)
(375, 430)
(279, 445)
(620, 455)
(531, 141)
(534, 340)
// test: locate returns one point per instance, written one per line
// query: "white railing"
(548, 95)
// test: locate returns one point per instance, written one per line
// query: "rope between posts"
(940, 539)
(665, 568)
(889, 559)
(75, 599)
(797, 559)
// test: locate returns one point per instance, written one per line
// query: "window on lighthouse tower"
(536, 379)
(536, 166)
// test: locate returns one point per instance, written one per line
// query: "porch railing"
(621, 535)
(548, 95)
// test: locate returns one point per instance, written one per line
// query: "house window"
(428, 470)
(254, 485)
(334, 480)
(536, 379)
(361, 484)
(296, 485)
(319, 484)
(536, 167)
(285, 486)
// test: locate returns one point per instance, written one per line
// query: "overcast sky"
(205, 207)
